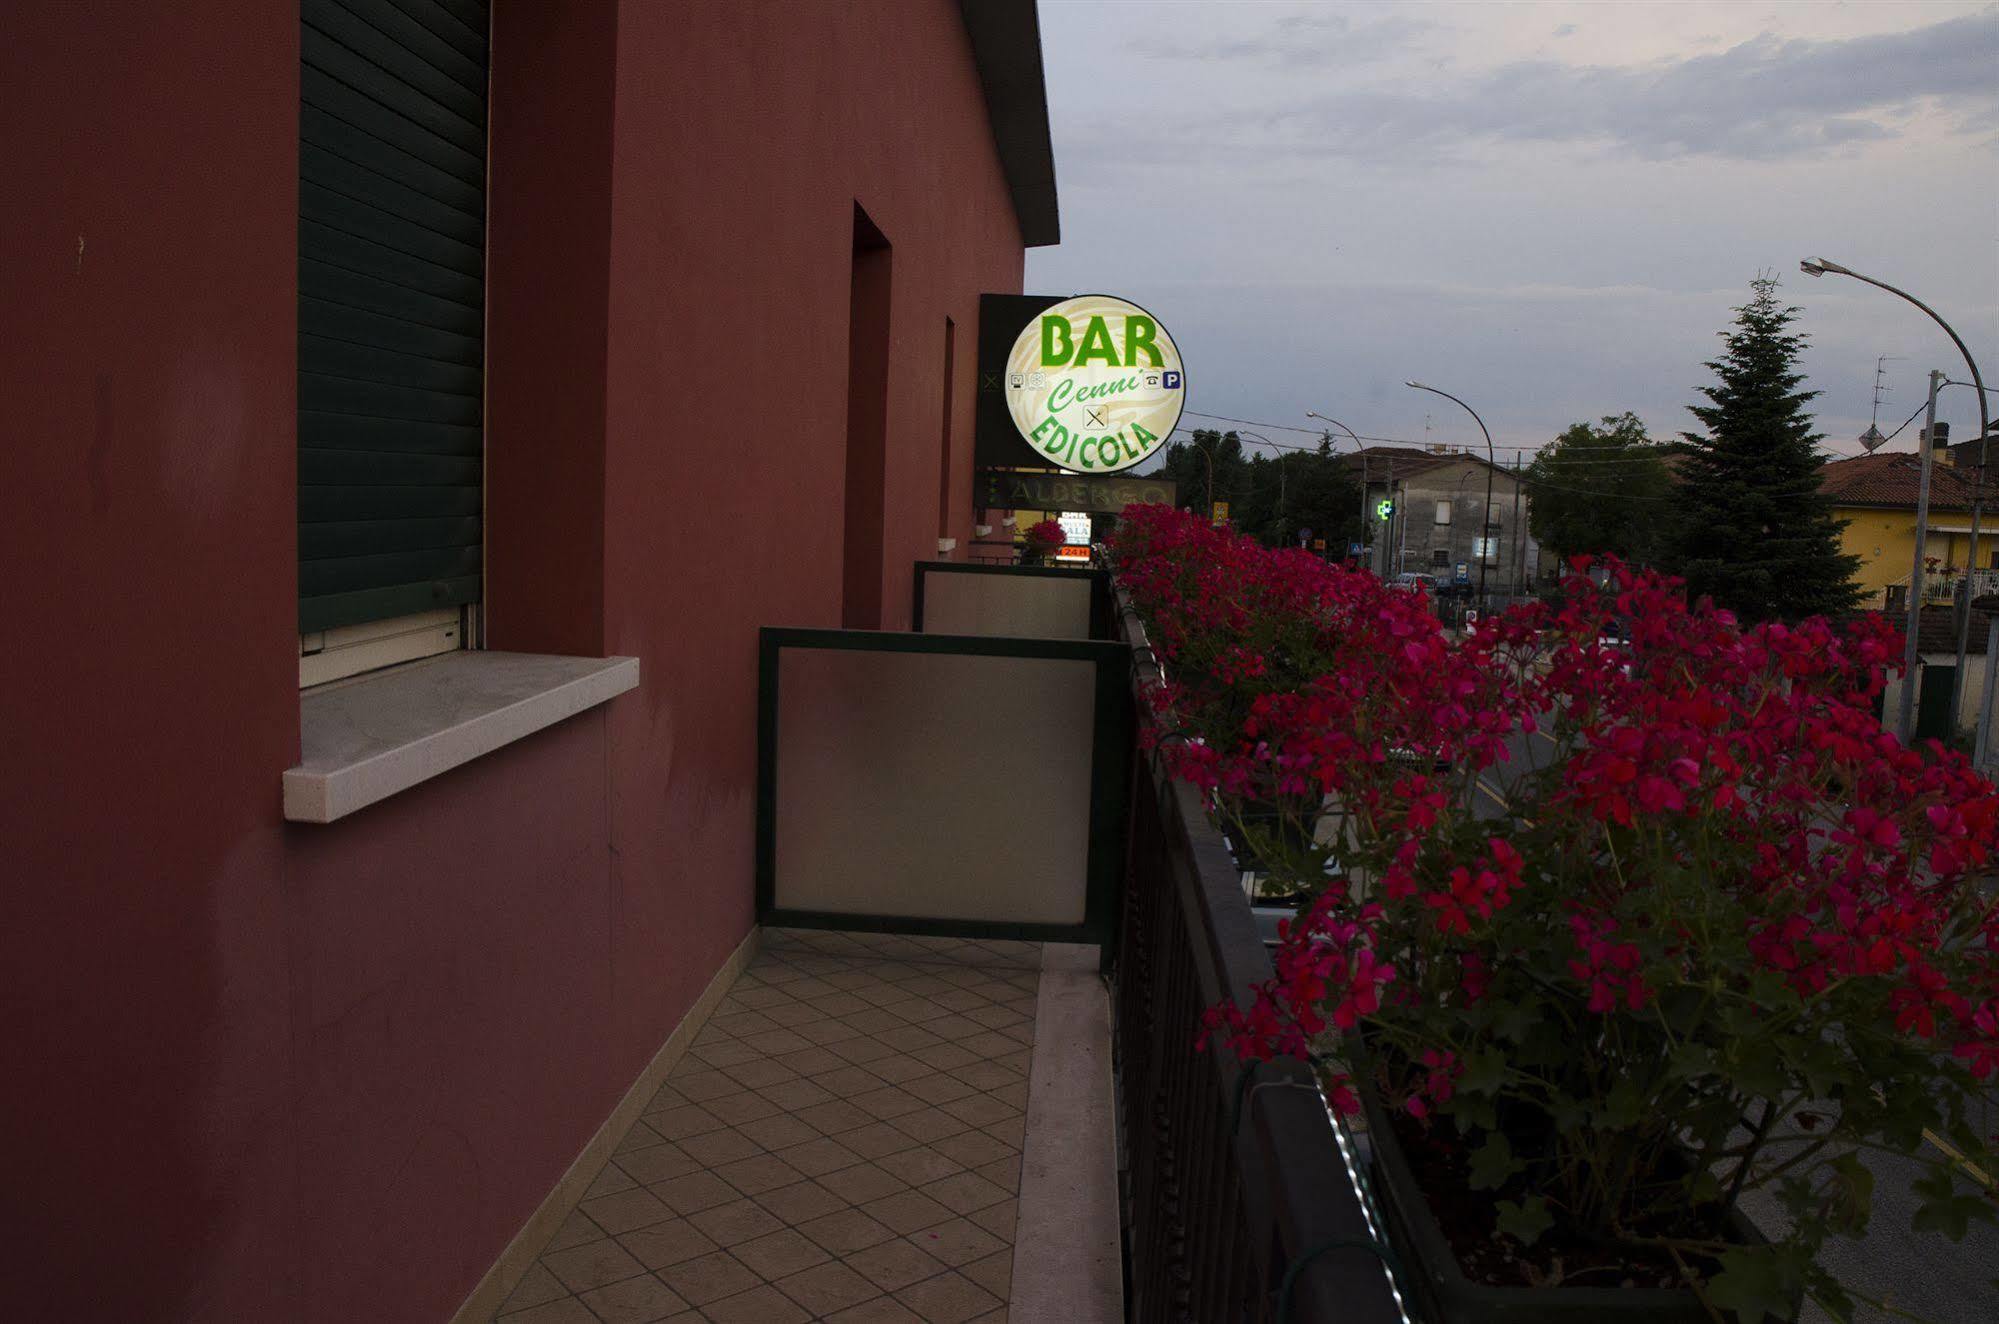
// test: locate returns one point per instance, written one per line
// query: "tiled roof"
(1891, 480)
(1937, 631)
(1408, 461)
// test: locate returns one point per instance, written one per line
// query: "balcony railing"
(1242, 1195)
(1941, 585)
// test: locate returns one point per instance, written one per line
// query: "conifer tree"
(1753, 530)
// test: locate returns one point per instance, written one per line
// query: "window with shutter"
(391, 320)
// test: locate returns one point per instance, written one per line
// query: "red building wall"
(277, 1072)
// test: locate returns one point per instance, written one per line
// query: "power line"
(1323, 432)
(1520, 475)
(1905, 422)
(1603, 461)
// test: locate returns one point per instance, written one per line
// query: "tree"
(1185, 465)
(1753, 531)
(1600, 489)
(1320, 495)
(1271, 498)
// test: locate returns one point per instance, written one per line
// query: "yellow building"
(1874, 496)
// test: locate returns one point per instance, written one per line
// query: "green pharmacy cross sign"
(1383, 509)
(1094, 384)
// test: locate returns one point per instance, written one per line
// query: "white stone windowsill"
(366, 739)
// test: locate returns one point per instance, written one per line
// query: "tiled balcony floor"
(841, 1142)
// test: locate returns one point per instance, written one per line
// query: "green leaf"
(1485, 1072)
(1526, 1221)
(1752, 1284)
(1471, 1111)
(1622, 1107)
(1754, 1070)
(1492, 1163)
(1692, 1060)
(1796, 1195)
(1516, 1020)
(1943, 1209)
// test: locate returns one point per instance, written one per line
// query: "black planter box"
(1445, 1296)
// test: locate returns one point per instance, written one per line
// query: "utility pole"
(1388, 525)
(1519, 544)
(1982, 748)
(1818, 266)
(1906, 720)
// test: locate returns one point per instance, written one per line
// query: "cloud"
(1566, 30)
(1765, 99)
(1289, 41)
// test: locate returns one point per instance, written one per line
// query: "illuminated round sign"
(1095, 384)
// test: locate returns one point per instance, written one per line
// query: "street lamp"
(1485, 533)
(1202, 451)
(1818, 266)
(1281, 456)
(1360, 450)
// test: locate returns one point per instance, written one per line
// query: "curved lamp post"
(1485, 516)
(1194, 443)
(1818, 266)
(1360, 450)
(1281, 456)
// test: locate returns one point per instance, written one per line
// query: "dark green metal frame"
(1102, 624)
(1110, 780)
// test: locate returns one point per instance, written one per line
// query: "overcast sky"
(1547, 209)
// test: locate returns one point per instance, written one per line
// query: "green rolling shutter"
(391, 307)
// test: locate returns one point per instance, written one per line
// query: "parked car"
(1412, 580)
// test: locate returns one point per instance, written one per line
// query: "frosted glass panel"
(933, 785)
(1019, 606)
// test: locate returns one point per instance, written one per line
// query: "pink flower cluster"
(1702, 811)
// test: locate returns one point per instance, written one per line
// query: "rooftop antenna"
(1871, 439)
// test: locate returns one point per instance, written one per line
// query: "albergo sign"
(1094, 384)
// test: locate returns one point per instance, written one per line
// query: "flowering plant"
(1626, 933)
(1045, 535)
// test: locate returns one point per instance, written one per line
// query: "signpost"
(1220, 514)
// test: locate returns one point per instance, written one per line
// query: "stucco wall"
(322, 1073)
(1885, 542)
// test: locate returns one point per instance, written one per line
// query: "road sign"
(1221, 512)
(1318, 544)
